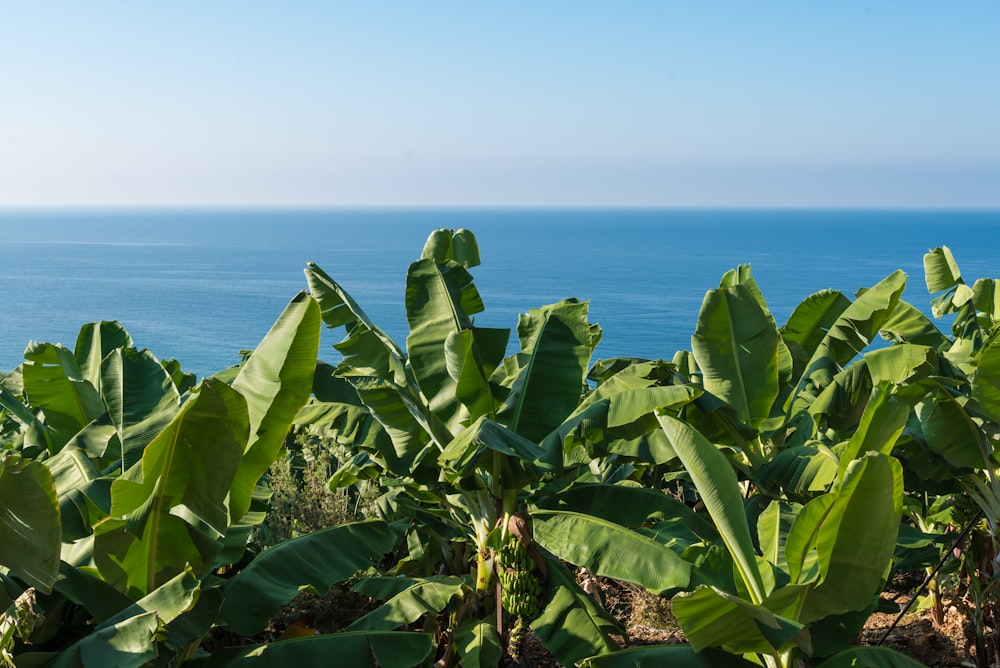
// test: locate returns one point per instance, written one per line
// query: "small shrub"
(301, 502)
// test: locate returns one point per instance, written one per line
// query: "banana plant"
(134, 513)
(801, 597)
(461, 435)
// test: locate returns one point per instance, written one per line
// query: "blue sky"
(470, 103)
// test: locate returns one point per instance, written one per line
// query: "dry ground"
(649, 621)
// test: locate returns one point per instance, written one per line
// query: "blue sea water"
(200, 285)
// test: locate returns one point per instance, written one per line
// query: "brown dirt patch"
(649, 621)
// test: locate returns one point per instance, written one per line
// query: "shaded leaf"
(316, 560)
(571, 625)
(478, 644)
(611, 550)
(713, 618)
(30, 528)
(361, 649)
(424, 596)
(675, 656)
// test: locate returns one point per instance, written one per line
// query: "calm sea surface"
(201, 285)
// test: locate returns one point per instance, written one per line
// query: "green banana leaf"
(30, 528)
(20, 413)
(717, 485)
(800, 543)
(743, 276)
(140, 397)
(950, 425)
(86, 589)
(571, 625)
(617, 418)
(472, 355)
(478, 644)
(125, 643)
(410, 441)
(675, 656)
(881, 426)
(809, 323)
(632, 507)
(440, 298)
(857, 538)
(908, 325)
(175, 498)
(168, 601)
(352, 425)
(464, 455)
(986, 381)
(128, 637)
(798, 472)
(367, 350)
(941, 272)
(841, 402)
(84, 495)
(942, 275)
(445, 245)
(316, 560)
(54, 384)
(611, 550)
(905, 366)
(986, 297)
(276, 382)
(423, 597)
(853, 330)
(548, 376)
(735, 344)
(94, 342)
(773, 525)
(360, 649)
(870, 657)
(711, 617)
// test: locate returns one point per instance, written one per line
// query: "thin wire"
(958, 541)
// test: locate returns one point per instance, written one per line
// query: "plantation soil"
(649, 622)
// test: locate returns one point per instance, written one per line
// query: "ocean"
(200, 285)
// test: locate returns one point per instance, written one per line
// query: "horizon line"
(480, 207)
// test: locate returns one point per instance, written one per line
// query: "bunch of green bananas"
(520, 590)
(520, 586)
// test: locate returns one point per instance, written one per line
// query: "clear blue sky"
(881, 103)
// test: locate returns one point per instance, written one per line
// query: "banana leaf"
(440, 298)
(478, 644)
(675, 656)
(54, 384)
(857, 538)
(717, 485)
(611, 550)
(276, 382)
(571, 625)
(175, 498)
(360, 649)
(458, 246)
(736, 347)
(546, 379)
(141, 400)
(367, 350)
(711, 617)
(30, 527)
(315, 561)
(423, 596)
(854, 329)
